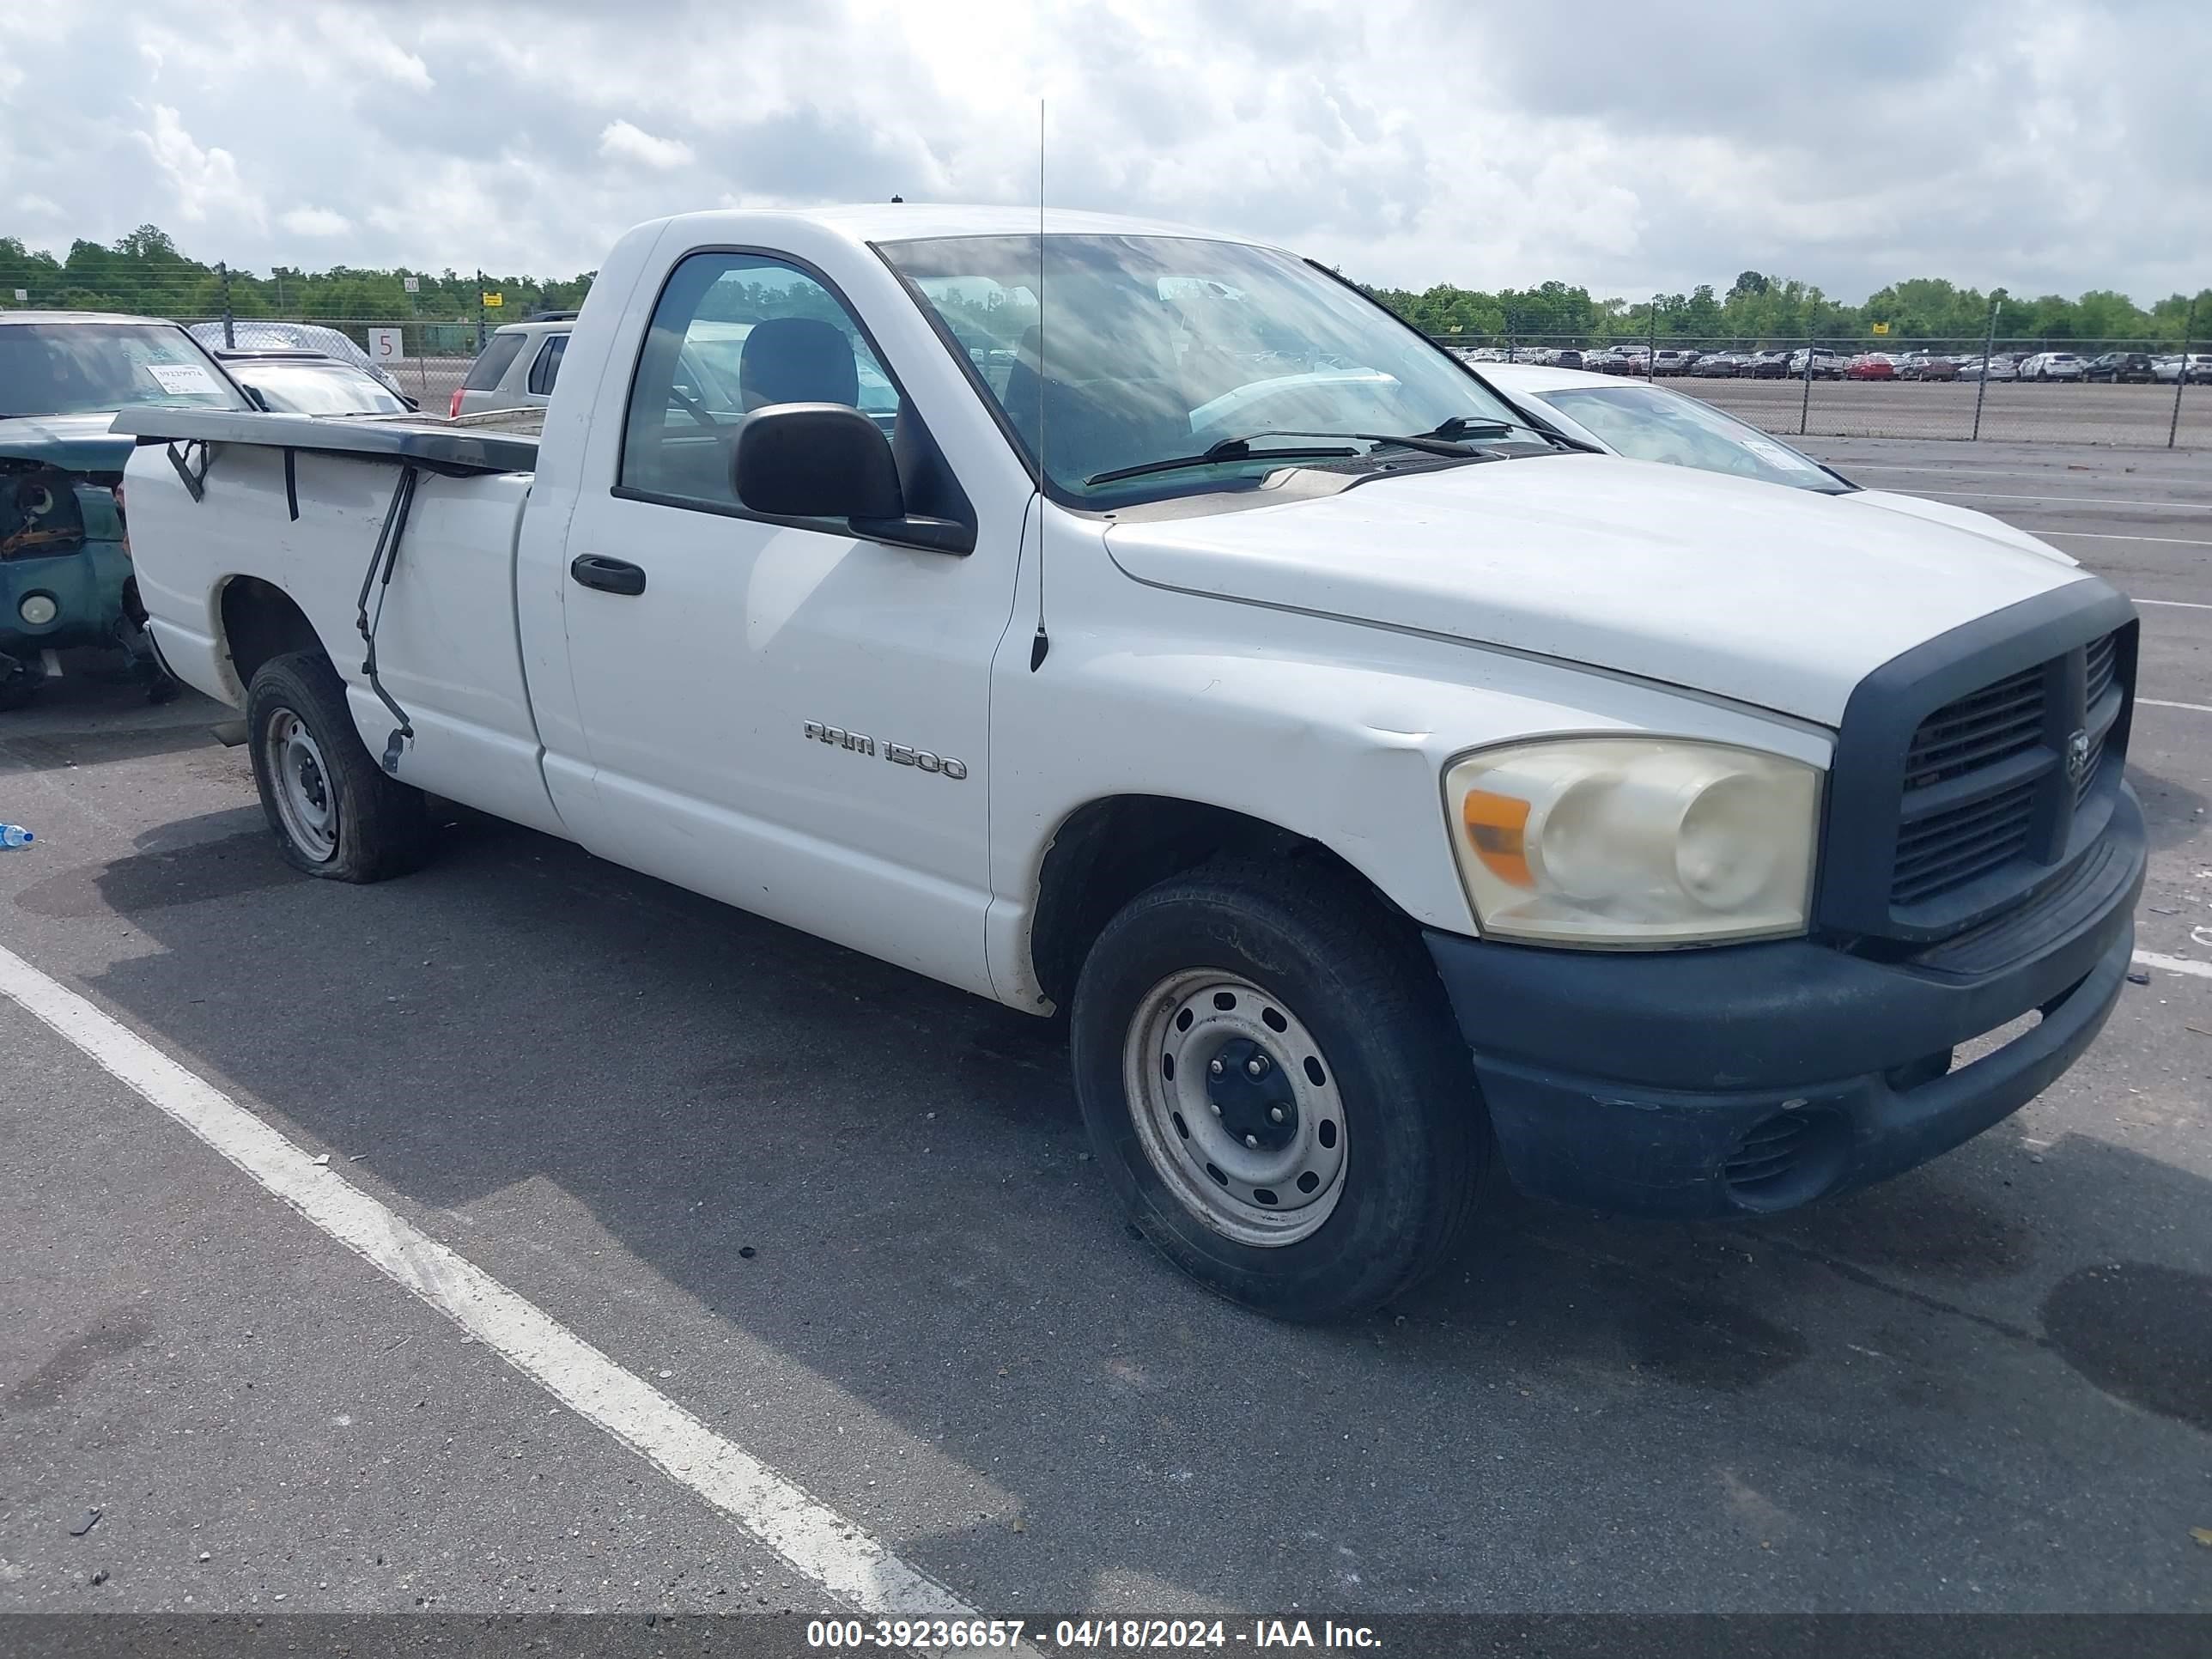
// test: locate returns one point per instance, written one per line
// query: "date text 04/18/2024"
(1087, 1634)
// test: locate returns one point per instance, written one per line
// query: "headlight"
(38, 610)
(1627, 842)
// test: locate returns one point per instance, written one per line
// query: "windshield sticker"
(180, 378)
(1775, 455)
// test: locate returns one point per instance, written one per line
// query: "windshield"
(318, 389)
(1648, 424)
(94, 369)
(1154, 347)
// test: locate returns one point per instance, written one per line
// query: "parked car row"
(1917, 363)
(66, 581)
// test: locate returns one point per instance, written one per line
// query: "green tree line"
(1759, 308)
(145, 273)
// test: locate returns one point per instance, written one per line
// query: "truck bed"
(502, 440)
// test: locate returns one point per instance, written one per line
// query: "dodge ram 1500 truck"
(1113, 618)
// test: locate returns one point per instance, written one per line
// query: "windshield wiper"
(1231, 449)
(1473, 426)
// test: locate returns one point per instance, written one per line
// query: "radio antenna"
(1041, 643)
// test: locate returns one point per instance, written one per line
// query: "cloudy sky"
(2048, 145)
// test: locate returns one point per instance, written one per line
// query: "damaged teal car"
(64, 555)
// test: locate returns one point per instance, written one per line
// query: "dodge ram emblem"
(2077, 758)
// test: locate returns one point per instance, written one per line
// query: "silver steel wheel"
(1236, 1107)
(302, 783)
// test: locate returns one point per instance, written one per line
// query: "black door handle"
(608, 576)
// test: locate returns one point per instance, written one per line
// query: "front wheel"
(335, 814)
(18, 685)
(1272, 1082)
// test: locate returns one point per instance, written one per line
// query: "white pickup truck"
(1144, 625)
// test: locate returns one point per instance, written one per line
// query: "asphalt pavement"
(844, 1219)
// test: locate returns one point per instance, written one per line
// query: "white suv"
(517, 367)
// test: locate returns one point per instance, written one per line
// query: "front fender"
(1336, 732)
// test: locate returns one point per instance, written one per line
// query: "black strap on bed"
(292, 483)
(195, 481)
(379, 575)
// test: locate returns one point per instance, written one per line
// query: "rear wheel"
(18, 685)
(335, 814)
(1273, 1084)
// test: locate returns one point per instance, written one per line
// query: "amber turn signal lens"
(1495, 829)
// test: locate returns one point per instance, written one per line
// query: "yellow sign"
(1882, 328)
(494, 301)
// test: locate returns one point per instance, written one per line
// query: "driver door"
(753, 692)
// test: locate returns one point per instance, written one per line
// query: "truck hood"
(1962, 518)
(1782, 598)
(75, 443)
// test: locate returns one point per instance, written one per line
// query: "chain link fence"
(2123, 392)
(2118, 391)
(427, 360)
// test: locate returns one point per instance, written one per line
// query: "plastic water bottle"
(14, 835)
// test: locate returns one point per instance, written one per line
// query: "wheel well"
(1107, 851)
(260, 621)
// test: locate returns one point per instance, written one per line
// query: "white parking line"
(2174, 964)
(1985, 473)
(2178, 605)
(817, 1541)
(2137, 503)
(2106, 535)
(2193, 707)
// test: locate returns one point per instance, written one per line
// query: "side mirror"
(254, 396)
(831, 461)
(816, 461)
(413, 404)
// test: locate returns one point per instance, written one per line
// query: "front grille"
(1951, 848)
(1978, 730)
(2103, 659)
(1975, 772)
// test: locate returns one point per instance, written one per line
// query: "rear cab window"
(491, 364)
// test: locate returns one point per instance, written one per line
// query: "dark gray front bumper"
(1755, 1078)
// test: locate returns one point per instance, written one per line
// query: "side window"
(734, 332)
(547, 368)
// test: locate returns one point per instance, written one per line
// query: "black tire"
(19, 687)
(377, 826)
(1415, 1136)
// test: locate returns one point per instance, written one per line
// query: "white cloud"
(354, 36)
(315, 222)
(37, 206)
(206, 183)
(622, 142)
(1405, 141)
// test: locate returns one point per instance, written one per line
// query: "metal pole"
(1805, 398)
(480, 316)
(2181, 373)
(1651, 350)
(1982, 380)
(229, 330)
